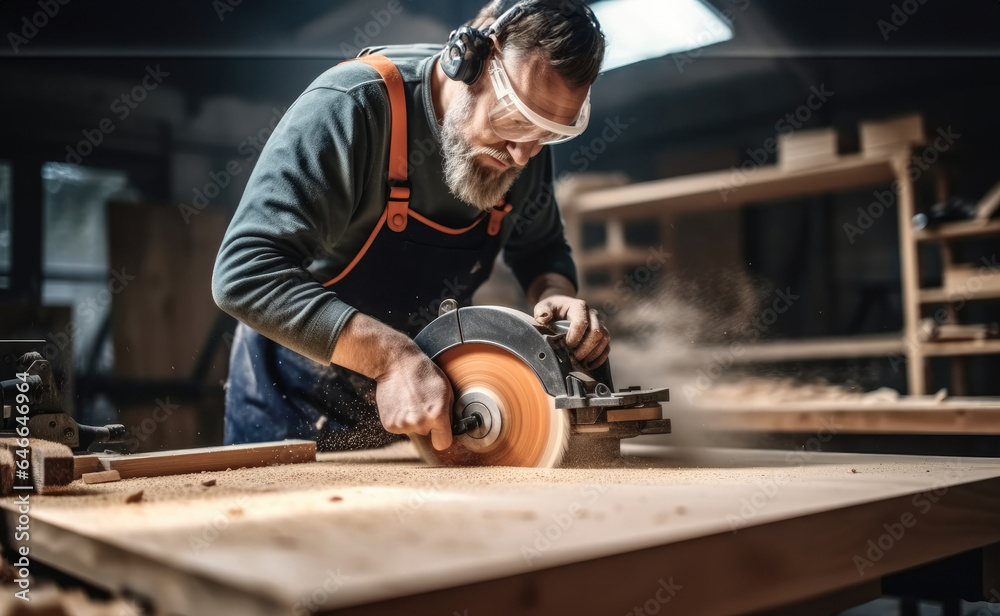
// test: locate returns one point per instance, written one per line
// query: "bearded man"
(345, 242)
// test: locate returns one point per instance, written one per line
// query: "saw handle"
(465, 424)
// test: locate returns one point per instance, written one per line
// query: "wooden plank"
(989, 203)
(698, 568)
(916, 370)
(639, 414)
(711, 190)
(841, 347)
(955, 230)
(988, 290)
(961, 347)
(807, 148)
(6, 472)
(158, 464)
(878, 137)
(855, 421)
(907, 415)
(101, 477)
(86, 463)
(625, 533)
(51, 463)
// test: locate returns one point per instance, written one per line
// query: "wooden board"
(163, 463)
(803, 349)
(87, 463)
(6, 472)
(712, 190)
(101, 477)
(51, 463)
(727, 532)
(908, 415)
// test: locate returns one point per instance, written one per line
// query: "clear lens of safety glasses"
(513, 120)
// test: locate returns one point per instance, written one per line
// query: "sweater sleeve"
(298, 201)
(537, 244)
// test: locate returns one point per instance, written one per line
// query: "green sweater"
(319, 188)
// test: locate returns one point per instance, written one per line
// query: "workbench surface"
(685, 532)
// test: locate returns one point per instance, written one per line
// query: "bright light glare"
(642, 29)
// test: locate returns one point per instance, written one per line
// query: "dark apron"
(404, 275)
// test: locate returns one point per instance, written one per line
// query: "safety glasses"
(513, 120)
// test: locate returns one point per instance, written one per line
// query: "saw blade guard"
(520, 397)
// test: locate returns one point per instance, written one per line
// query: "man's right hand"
(413, 395)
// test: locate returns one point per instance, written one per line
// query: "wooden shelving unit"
(873, 345)
(942, 296)
(961, 283)
(663, 199)
(959, 230)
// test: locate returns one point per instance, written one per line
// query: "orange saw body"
(520, 397)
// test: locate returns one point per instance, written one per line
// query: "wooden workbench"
(706, 532)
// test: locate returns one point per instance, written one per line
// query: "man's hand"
(587, 336)
(413, 395)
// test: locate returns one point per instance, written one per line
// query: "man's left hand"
(587, 336)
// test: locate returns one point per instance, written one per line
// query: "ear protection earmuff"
(467, 49)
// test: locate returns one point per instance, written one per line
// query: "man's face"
(479, 166)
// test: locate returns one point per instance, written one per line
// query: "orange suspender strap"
(399, 189)
(397, 209)
(496, 218)
(443, 229)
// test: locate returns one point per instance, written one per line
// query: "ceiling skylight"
(642, 29)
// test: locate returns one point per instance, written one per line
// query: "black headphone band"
(464, 56)
(520, 7)
(507, 16)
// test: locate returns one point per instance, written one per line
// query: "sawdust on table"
(335, 475)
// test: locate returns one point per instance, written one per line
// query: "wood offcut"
(159, 464)
(51, 464)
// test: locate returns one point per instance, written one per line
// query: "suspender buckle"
(496, 218)
(398, 205)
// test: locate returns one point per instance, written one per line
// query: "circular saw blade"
(532, 433)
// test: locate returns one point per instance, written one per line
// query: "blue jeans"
(273, 393)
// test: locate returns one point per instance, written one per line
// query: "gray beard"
(467, 179)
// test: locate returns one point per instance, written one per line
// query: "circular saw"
(521, 399)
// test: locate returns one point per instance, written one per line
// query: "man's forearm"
(548, 285)
(370, 347)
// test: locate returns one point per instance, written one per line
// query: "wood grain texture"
(158, 464)
(767, 183)
(729, 532)
(87, 463)
(101, 477)
(51, 463)
(908, 415)
(6, 472)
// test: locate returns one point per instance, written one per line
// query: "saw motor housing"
(599, 417)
